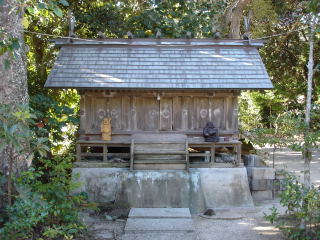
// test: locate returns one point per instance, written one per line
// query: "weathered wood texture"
(138, 111)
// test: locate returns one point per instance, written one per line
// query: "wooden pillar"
(131, 154)
(78, 155)
(213, 153)
(105, 152)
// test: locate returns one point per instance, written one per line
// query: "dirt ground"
(249, 223)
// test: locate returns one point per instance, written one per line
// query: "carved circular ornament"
(101, 113)
(165, 113)
(203, 113)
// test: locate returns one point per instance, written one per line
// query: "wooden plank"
(193, 114)
(235, 113)
(82, 126)
(238, 149)
(228, 113)
(213, 153)
(143, 137)
(89, 114)
(99, 106)
(78, 152)
(176, 115)
(217, 116)
(105, 152)
(158, 152)
(165, 114)
(131, 155)
(159, 146)
(196, 133)
(187, 156)
(133, 120)
(115, 112)
(183, 110)
(140, 113)
(126, 113)
(171, 93)
(147, 113)
(187, 114)
(202, 111)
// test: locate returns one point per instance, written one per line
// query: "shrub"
(302, 220)
(44, 207)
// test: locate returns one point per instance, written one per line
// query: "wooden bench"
(157, 151)
(211, 146)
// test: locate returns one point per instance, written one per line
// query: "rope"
(101, 41)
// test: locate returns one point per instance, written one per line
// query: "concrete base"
(199, 189)
(155, 223)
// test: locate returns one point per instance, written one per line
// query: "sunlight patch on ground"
(244, 223)
(268, 230)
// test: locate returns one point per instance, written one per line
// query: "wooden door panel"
(147, 113)
(165, 114)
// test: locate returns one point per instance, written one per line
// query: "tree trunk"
(307, 155)
(13, 81)
(234, 15)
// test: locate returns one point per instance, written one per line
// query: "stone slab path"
(159, 224)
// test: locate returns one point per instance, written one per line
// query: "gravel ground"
(292, 162)
(252, 225)
(249, 224)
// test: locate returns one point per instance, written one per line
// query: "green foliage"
(23, 216)
(52, 118)
(282, 133)
(302, 208)
(45, 206)
(273, 215)
(256, 109)
(14, 130)
(173, 18)
(9, 45)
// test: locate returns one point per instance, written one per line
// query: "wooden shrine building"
(159, 94)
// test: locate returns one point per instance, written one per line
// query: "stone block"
(162, 236)
(263, 173)
(261, 184)
(159, 213)
(252, 160)
(249, 172)
(136, 225)
(262, 195)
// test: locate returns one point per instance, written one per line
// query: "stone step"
(162, 236)
(142, 225)
(159, 213)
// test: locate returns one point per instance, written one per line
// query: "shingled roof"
(159, 64)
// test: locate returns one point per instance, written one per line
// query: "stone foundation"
(261, 178)
(199, 189)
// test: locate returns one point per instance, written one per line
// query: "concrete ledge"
(161, 236)
(159, 213)
(199, 189)
(137, 225)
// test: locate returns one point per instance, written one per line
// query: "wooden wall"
(151, 111)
